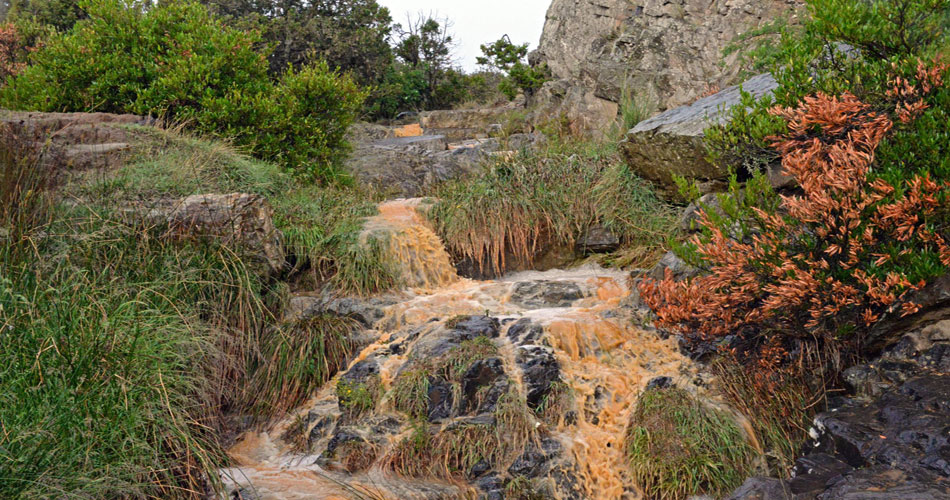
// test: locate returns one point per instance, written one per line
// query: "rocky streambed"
(519, 387)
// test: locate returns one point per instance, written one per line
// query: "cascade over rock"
(467, 389)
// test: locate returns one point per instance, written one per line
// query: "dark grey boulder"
(680, 269)
(671, 143)
(539, 368)
(881, 482)
(525, 332)
(762, 488)
(546, 293)
(597, 239)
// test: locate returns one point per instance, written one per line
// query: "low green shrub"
(511, 59)
(678, 447)
(842, 46)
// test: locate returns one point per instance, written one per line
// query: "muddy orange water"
(604, 359)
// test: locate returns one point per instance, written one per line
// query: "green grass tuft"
(678, 447)
(522, 206)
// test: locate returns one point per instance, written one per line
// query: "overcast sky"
(479, 21)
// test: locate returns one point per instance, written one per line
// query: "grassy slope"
(124, 351)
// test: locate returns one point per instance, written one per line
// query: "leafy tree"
(511, 59)
(425, 44)
(351, 35)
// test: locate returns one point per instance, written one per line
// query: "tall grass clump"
(522, 206)
(678, 447)
(121, 352)
(298, 358)
(634, 108)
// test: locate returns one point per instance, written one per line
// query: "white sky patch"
(479, 21)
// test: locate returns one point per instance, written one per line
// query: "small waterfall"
(411, 244)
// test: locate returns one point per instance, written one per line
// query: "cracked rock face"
(669, 52)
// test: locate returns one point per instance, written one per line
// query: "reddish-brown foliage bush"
(11, 51)
(816, 267)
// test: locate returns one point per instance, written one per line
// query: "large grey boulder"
(460, 124)
(666, 52)
(242, 220)
(671, 144)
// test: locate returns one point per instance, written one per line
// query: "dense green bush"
(179, 62)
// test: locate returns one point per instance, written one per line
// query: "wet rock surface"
(540, 294)
(409, 166)
(77, 141)
(669, 52)
(888, 439)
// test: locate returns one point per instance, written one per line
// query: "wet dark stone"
(597, 239)
(936, 358)
(361, 371)
(570, 418)
(492, 487)
(680, 269)
(489, 401)
(881, 482)
(908, 427)
(530, 464)
(341, 437)
(441, 402)
(244, 494)
(660, 383)
(457, 330)
(546, 293)
(479, 469)
(762, 488)
(540, 368)
(865, 381)
(482, 372)
(469, 327)
(387, 425)
(322, 427)
(814, 472)
(897, 371)
(524, 332)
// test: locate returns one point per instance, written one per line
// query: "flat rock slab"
(426, 142)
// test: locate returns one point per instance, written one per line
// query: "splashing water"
(604, 359)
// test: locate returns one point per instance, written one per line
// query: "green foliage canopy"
(179, 62)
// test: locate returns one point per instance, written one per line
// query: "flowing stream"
(585, 315)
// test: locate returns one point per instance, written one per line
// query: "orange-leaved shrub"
(823, 265)
(11, 51)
